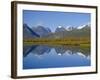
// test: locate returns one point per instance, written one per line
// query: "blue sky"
(54, 19)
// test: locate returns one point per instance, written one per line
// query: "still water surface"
(43, 56)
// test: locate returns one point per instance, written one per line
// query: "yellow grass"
(73, 41)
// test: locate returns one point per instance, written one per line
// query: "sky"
(53, 19)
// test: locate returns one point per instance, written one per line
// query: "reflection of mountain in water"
(60, 50)
(40, 50)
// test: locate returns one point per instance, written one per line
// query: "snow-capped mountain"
(83, 26)
(60, 29)
(60, 32)
(80, 27)
(70, 28)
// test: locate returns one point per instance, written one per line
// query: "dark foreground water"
(43, 56)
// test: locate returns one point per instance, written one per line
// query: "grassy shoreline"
(83, 42)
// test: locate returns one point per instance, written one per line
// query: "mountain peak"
(83, 26)
(41, 30)
(80, 27)
(60, 29)
(59, 26)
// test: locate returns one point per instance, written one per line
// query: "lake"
(50, 56)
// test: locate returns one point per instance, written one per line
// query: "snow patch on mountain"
(80, 27)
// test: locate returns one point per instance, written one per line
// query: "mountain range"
(60, 32)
